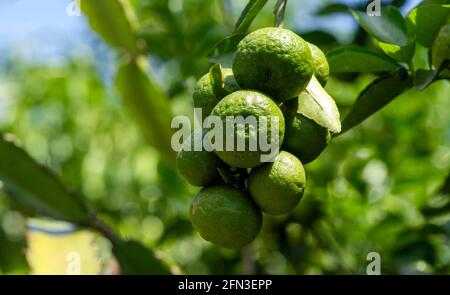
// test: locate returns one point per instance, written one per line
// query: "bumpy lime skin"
(320, 64)
(247, 103)
(275, 61)
(304, 138)
(204, 95)
(278, 187)
(226, 216)
(199, 168)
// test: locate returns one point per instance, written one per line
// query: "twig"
(279, 11)
(104, 229)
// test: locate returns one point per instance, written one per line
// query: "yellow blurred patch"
(62, 253)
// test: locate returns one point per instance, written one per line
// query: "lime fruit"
(199, 168)
(275, 61)
(206, 95)
(320, 64)
(304, 138)
(441, 47)
(278, 187)
(259, 112)
(226, 216)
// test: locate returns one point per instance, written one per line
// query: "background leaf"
(114, 21)
(148, 104)
(42, 193)
(374, 97)
(223, 51)
(354, 59)
(136, 259)
(428, 20)
(390, 27)
(248, 15)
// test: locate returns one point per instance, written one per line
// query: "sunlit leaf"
(428, 20)
(316, 104)
(389, 27)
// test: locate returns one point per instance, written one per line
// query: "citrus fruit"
(304, 138)
(199, 168)
(206, 96)
(320, 64)
(248, 105)
(225, 216)
(278, 187)
(275, 61)
(441, 47)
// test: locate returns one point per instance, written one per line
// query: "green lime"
(206, 96)
(226, 216)
(278, 187)
(275, 61)
(304, 138)
(260, 113)
(199, 168)
(441, 47)
(321, 67)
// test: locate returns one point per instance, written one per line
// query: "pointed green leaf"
(402, 53)
(428, 20)
(35, 188)
(316, 104)
(353, 59)
(114, 21)
(390, 27)
(248, 15)
(374, 97)
(135, 259)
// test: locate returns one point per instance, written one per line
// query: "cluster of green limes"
(271, 68)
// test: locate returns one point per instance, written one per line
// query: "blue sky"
(40, 28)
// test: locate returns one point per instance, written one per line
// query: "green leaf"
(425, 78)
(402, 53)
(35, 188)
(135, 259)
(374, 97)
(428, 20)
(390, 27)
(248, 15)
(218, 81)
(333, 8)
(223, 52)
(148, 104)
(316, 104)
(113, 21)
(353, 59)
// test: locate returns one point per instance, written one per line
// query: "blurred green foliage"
(378, 188)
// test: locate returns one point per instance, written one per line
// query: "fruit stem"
(279, 11)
